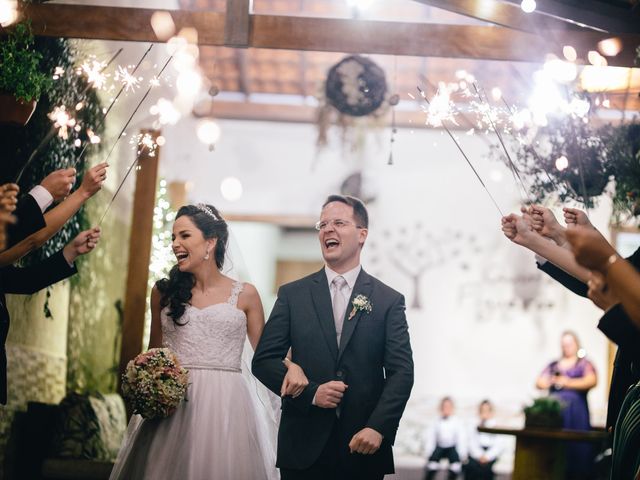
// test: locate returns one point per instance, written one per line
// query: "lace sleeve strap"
(236, 290)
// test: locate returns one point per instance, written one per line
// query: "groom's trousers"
(334, 463)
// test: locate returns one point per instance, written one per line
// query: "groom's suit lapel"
(363, 286)
(321, 297)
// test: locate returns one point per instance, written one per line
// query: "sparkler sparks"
(127, 79)
(144, 141)
(93, 69)
(62, 120)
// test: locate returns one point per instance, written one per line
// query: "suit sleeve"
(29, 219)
(29, 280)
(619, 328)
(273, 346)
(569, 281)
(398, 366)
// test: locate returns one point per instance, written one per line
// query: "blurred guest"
(31, 207)
(615, 323)
(445, 439)
(29, 280)
(594, 252)
(569, 379)
(484, 448)
(8, 202)
(56, 217)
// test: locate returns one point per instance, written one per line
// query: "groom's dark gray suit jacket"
(374, 359)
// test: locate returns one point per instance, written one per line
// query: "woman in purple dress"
(569, 379)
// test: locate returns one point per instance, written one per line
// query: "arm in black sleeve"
(274, 344)
(569, 281)
(398, 367)
(29, 280)
(620, 329)
(29, 219)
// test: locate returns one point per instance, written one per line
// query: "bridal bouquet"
(154, 383)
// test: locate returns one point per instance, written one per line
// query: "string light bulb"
(528, 6)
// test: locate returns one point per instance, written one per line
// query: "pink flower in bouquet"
(154, 383)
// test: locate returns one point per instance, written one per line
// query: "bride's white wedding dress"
(221, 432)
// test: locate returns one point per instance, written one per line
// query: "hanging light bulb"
(562, 163)
(8, 12)
(231, 189)
(208, 131)
(528, 6)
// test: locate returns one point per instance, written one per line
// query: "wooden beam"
(117, 23)
(287, 113)
(597, 14)
(503, 14)
(328, 34)
(135, 303)
(237, 26)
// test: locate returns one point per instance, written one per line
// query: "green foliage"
(21, 72)
(544, 405)
(595, 156)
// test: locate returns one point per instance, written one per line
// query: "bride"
(221, 431)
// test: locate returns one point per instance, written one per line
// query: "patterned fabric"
(626, 439)
(90, 427)
(204, 343)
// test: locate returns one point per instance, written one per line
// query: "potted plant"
(21, 80)
(545, 412)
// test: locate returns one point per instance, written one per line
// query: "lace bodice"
(211, 337)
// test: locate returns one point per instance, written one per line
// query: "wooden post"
(139, 254)
(237, 25)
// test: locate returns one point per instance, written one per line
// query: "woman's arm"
(155, 339)
(594, 252)
(519, 231)
(295, 381)
(251, 305)
(587, 382)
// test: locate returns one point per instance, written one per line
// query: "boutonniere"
(360, 303)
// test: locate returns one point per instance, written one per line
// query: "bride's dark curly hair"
(175, 291)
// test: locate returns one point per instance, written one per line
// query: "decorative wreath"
(356, 86)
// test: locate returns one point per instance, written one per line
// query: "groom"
(348, 331)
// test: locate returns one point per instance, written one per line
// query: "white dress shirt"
(350, 277)
(483, 444)
(446, 432)
(42, 196)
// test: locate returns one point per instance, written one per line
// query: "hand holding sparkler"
(518, 229)
(59, 183)
(93, 180)
(545, 223)
(8, 197)
(8, 202)
(83, 243)
(574, 217)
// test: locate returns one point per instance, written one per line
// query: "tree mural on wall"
(414, 250)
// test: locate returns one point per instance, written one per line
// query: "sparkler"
(120, 136)
(512, 166)
(106, 112)
(52, 132)
(446, 129)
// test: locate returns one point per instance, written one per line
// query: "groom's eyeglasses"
(336, 224)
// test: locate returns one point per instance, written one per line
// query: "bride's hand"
(295, 381)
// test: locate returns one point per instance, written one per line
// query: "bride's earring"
(206, 257)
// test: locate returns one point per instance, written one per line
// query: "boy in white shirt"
(445, 440)
(484, 448)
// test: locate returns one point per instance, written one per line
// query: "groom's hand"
(330, 394)
(366, 441)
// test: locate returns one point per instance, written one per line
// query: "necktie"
(339, 301)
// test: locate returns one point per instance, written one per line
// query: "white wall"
(488, 322)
